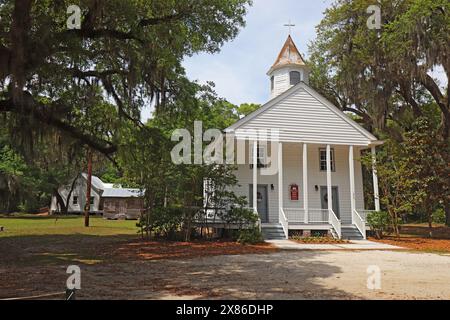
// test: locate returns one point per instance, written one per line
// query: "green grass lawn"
(32, 225)
(30, 240)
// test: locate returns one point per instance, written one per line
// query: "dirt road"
(278, 275)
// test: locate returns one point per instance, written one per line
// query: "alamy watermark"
(74, 19)
(73, 282)
(374, 20)
(374, 277)
(227, 148)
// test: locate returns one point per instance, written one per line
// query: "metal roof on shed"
(122, 193)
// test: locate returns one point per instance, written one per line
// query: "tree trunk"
(447, 214)
(187, 236)
(87, 207)
(430, 222)
(66, 207)
(60, 202)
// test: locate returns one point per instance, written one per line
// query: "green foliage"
(246, 108)
(383, 75)
(426, 158)
(413, 175)
(241, 216)
(88, 86)
(163, 221)
(250, 236)
(379, 222)
(439, 216)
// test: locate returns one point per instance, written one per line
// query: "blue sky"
(239, 69)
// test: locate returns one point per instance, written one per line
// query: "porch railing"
(359, 222)
(284, 222)
(258, 221)
(297, 215)
(335, 222)
(363, 213)
(318, 215)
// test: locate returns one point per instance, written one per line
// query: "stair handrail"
(258, 220)
(335, 222)
(359, 222)
(284, 222)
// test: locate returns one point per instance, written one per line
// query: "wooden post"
(88, 191)
(351, 167)
(305, 181)
(280, 176)
(329, 188)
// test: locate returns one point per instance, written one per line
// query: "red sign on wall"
(294, 191)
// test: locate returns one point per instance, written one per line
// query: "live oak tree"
(127, 53)
(378, 73)
(83, 88)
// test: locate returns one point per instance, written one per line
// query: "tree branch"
(43, 114)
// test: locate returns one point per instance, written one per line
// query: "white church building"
(319, 182)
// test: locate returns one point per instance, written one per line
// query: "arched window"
(294, 77)
(272, 83)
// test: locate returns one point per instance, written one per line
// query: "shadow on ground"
(123, 267)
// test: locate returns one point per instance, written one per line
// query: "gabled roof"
(289, 55)
(96, 182)
(316, 116)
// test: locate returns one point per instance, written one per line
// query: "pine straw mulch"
(416, 237)
(155, 250)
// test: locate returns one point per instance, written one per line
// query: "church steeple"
(288, 70)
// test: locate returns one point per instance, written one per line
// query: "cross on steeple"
(289, 25)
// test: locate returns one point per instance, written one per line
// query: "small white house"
(108, 199)
(318, 184)
(77, 199)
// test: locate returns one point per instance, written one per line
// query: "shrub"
(250, 236)
(439, 216)
(164, 222)
(241, 216)
(378, 222)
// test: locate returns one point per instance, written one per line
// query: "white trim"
(255, 176)
(329, 188)
(372, 139)
(351, 166)
(280, 176)
(246, 137)
(305, 181)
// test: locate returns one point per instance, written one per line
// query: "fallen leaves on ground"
(416, 237)
(153, 250)
(418, 243)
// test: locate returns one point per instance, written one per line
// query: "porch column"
(375, 180)
(255, 175)
(305, 181)
(329, 191)
(280, 176)
(351, 167)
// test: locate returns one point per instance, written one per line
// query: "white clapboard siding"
(292, 174)
(302, 115)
